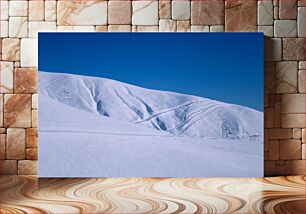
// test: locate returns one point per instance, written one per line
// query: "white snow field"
(97, 127)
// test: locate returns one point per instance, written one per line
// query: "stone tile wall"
(282, 21)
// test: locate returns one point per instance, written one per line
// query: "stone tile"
(145, 13)
(216, 28)
(265, 12)
(89, 12)
(167, 25)
(304, 135)
(270, 168)
(147, 28)
(32, 138)
(290, 149)
(18, 27)
(75, 28)
(285, 28)
(34, 101)
(15, 144)
(26, 80)
(183, 26)
(29, 51)
(50, 10)
(301, 81)
(286, 77)
(2, 146)
(278, 114)
(267, 30)
(2, 130)
(11, 49)
(7, 76)
(200, 28)
(266, 147)
(278, 97)
(266, 104)
(281, 162)
(269, 118)
(4, 29)
(119, 28)
(301, 22)
(293, 49)
(280, 133)
(18, 8)
(101, 28)
(32, 154)
(274, 150)
(39, 26)
(269, 80)
(34, 118)
(1, 110)
(207, 12)
(164, 9)
(119, 12)
(239, 15)
(302, 65)
(4, 10)
(180, 10)
(287, 9)
(266, 155)
(293, 103)
(36, 10)
(297, 133)
(27, 167)
(280, 170)
(266, 135)
(293, 121)
(275, 13)
(8, 167)
(17, 110)
(295, 167)
(301, 3)
(273, 49)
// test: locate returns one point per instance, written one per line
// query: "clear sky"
(222, 66)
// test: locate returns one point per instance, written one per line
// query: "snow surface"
(97, 127)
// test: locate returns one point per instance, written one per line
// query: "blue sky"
(223, 66)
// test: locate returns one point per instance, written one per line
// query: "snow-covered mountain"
(96, 127)
(174, 113)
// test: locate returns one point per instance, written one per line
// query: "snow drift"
(108, 117)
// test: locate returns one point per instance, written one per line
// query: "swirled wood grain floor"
(139, 195)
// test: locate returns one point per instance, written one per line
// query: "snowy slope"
(95, 127)
(166, 111)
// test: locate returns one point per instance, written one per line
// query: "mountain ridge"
(165, 111)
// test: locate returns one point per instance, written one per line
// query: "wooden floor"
(138, 195)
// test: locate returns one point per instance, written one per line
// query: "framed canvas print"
(151, 104)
